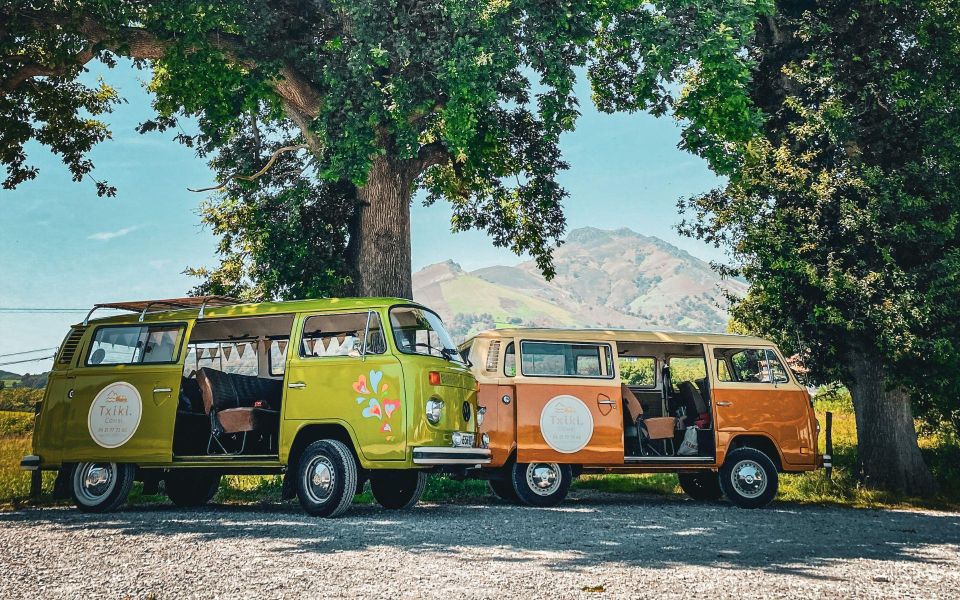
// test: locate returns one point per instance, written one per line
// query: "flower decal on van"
(373, 397)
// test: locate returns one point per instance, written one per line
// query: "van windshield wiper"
(450, 355)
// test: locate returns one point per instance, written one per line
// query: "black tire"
(398, 490)
(749, 478)
(703, 486)
(554, 483)
(191, 487)
(326, 478)
(503, 489)
(101, 487)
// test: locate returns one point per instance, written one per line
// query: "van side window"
(230, 357)
(565, 359)
(638, 371)
(277, 354)
(510, 361)
(341, 335)
(687, 368)
(135, 344)
(749, 365)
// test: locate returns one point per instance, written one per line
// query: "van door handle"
(297, 385)
(607, 402)
(162, 390)
(724, 403)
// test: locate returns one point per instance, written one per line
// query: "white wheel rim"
(320, 479)
(748, 478)
(543, 479)
(93, 482)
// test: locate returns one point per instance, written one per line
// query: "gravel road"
(593, 546)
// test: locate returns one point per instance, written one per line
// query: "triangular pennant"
(333, 347)
(313, 343)
(227, 350)
(240, 349)
(214, 352)
(282, 346)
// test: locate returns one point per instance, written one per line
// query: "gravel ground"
(593, 546)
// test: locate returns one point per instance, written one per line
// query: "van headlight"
(481, 412)
(434, 410)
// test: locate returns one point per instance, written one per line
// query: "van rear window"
(563, 359)
(135, 344)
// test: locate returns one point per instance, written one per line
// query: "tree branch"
(431, 155)
(139, 43)
(258, 174)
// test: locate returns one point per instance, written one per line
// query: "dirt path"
(594, 546)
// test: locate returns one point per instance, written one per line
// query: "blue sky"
(61, 246)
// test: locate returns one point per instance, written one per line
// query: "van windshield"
(418, 331)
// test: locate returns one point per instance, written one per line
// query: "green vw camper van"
(331, 393)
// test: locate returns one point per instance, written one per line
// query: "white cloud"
(105, 236)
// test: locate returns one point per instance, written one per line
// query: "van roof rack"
(145, 306)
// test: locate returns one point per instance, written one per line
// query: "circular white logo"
(115, 415)
(566, 424)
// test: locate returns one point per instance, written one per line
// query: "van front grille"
(70, 345)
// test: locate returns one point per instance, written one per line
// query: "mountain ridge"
(604, 278)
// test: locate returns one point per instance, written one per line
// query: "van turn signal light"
(434, 377)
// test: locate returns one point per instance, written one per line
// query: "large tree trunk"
(379, 249)
(888, 455)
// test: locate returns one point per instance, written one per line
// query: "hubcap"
(320, 479)
(748, 479)
(543, 478)
(94, 481)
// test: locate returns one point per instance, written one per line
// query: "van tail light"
(434, 377)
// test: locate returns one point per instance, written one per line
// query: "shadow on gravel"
(589, 529)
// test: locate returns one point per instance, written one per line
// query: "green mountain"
(617, 279)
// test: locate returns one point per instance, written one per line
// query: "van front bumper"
(30, 463)
(435, 455)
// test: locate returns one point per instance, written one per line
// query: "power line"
(26, 352)
(29, 360)
(40, 310)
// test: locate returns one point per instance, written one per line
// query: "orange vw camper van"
(722, 411)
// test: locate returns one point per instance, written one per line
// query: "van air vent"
(493, 356)
(70, 345)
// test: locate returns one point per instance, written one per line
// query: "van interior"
(232, 387)
(667, 414)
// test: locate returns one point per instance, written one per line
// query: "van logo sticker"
(115, 415)
(566, 424)
(378, 405)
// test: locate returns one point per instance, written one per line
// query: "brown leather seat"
(239, 404)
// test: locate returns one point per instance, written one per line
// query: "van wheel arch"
(306, 436)
(758, 442)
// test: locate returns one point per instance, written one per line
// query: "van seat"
(231, 402)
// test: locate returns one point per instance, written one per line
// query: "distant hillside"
(604, 279)
(38, 381)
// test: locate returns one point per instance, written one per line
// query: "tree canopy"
(845, 213)
(466, 99)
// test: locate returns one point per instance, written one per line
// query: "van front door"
(754, 393)
(568, 404)
(333, 376)
(123, 394)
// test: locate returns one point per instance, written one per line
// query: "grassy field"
(941, 452)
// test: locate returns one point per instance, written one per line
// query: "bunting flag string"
(240, 349)
(227, 351)
(282, 345)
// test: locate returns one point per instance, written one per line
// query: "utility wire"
(29, 360)
(37, 309)
(26, 352)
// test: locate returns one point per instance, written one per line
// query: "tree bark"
(888, 456)
(378, 253)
